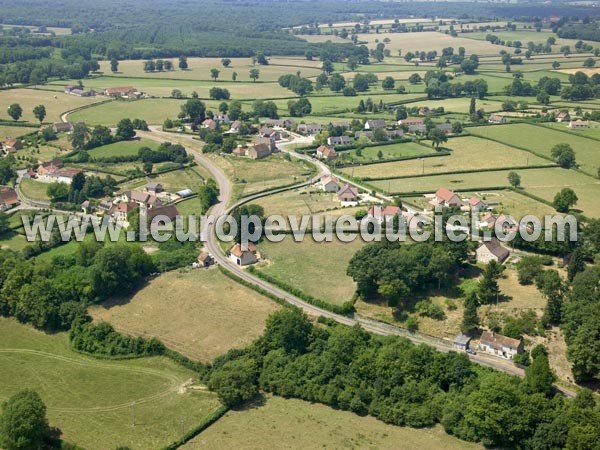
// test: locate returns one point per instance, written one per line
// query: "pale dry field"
(200, 313)
(56, 103)
(199, 68)
(427, 40)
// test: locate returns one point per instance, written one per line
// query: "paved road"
(368, 324)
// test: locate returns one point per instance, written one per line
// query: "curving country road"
(193, 147)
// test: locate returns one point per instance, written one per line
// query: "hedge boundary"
(206, 422)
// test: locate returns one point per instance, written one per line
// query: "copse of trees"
(296, 84)
(24, 425)
(392, 271)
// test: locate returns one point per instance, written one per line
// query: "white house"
(492, 250)
(243, 257)
(501, 346)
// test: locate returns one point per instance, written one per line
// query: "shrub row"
(206, 422)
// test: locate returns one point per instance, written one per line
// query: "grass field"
(153, 111)
(541, 140)
(55, 102)
(199, 69)
(90, 400)
(251, 176)
(459, 105)
(7, 131)
(123, 148)
(200, 313)
(318, 269)
(468, 153)
(34, 190)
(295, 424)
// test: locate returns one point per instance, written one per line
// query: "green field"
(541, 140)
(306, 200)
(123, 148)
(295, 424)
(318, 269)
(592, 132)
(34, 190)
(467, 153)
(90, 400)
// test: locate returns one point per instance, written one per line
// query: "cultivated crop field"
(318, 269)
(292, 424)
(56, 103)
(541, 140)
(200, 313)
(86, 396)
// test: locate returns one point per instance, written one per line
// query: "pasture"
(540, 140)
(316, 268)
(305, 200)
(291, 424)
(467, 153)
(200, 313)
(56, 103)
(86, 397)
